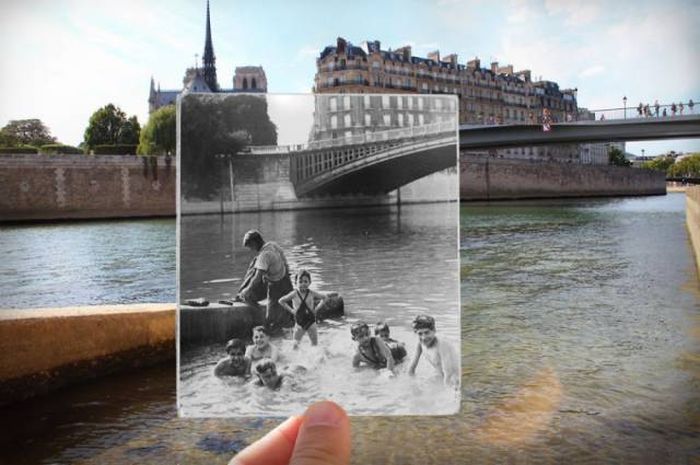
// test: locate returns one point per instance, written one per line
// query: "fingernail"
(323, 414)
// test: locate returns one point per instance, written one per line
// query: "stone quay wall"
(484, 178)
(45, 349)
(46, 187)
(692, 218)
(262, 183)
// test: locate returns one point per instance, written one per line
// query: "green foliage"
(687, 167)
(158, 136)
(114, 149)
(110, 126)
(19, 149)
(25, 132)
(617, 157)
(659, 164)
(51, 149)
(211, 126)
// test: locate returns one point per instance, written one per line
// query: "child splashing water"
(261, 347)
(302, 299)
(371, 350)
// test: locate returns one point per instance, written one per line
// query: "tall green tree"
(26, 132)
(109, 125)
(687, 167)
(617, 157)
(659, 163)
(158, 135)
(213, 127)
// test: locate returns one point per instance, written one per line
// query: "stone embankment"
(692, 218)
(45, 349)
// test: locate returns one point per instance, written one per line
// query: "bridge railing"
(381, 136)
(648, 110)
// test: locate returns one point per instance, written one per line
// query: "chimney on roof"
(341, 45)
(405, 51)
(435, 56)
(525, 74)
(451, 59)
(494, 67)
(505, 69)
(474, 64)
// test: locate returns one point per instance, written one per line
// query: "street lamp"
(624, 102)
(642, 153)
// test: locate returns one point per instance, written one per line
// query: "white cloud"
(592, 71)
(575, 12)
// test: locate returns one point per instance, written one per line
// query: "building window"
(368, 119)
(385, 101)
(410, 119)
(387, 119)
(253, 84)
(334, 122)
(420, 104)
(245, 83)
(347, 120)
(346, 103)
(367, 101)
(333, 103)
(400, 115)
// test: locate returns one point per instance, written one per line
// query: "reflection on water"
(387, 263)
(87, 263)
(580, 344)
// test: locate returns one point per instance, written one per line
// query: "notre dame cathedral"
(203, 79)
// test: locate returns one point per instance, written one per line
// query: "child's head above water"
(359, 331)
(266, 371)
(381, 329)
(303, 279)
(424, 327)
(235, 347)
(260, 337)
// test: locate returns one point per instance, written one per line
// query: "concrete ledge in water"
(45, 349)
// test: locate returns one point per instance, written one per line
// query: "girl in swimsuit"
(302, 307)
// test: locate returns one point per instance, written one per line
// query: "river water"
(387, 263)
(580, 328)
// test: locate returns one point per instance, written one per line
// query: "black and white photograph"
(318, 254)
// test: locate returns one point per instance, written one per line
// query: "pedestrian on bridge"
(656, 108)
(640, 109)
(691, 104)
(680, 108)
(673, 108)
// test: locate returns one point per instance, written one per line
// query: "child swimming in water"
(268, 376)
(371, 350)
(440, 354)
(236, 364)
(302, 299)
(398, 349)
(261, 347)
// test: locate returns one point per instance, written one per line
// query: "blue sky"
(61, 60)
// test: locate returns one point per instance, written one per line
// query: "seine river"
(580, 326)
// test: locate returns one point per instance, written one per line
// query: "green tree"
(26, 132)
(212, 126)
(659, 163)
(687, 167)
(110, 126)
(617, 157)
(158, 135)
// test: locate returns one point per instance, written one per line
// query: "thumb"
(324, 436)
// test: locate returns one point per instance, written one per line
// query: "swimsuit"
(374, 358)
(304, 316)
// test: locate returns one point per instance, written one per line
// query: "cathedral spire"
(209, 60)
